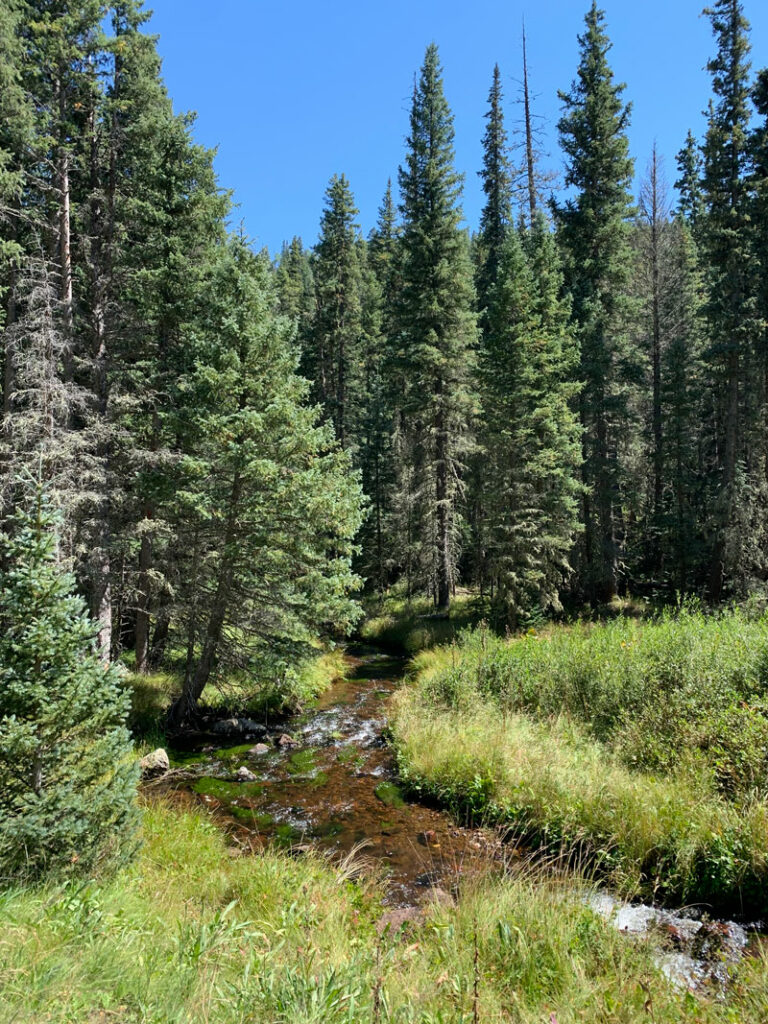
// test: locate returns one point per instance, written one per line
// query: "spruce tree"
(335, 337)
(497, 185)
(688, 185)
(437, 331)
(733, 324)
(529, 433)
(68, 800)
(269, 506)
(593, 228)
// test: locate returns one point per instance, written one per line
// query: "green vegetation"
(639, 747)
(409, 626)
(190, 933)
(253, 694)
(67, 773)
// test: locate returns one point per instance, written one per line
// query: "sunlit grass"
(191, 933)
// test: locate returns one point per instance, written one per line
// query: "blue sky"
(294, 92)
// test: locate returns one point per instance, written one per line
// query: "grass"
(192, 934)
(619, 742)
(412, 626)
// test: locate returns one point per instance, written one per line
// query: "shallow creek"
(327, 779)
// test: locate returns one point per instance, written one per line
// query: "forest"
(516, 469)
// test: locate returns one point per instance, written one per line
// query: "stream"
(327, 779)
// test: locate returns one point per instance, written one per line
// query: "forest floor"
(599, 742)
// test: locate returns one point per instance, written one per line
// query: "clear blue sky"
(294, 92)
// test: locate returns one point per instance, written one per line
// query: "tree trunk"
(443, 513)
(196, 679)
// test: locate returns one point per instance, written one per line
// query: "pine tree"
(335, 338)
(270, 506)
(733, 324)
(437, 329)
(497, 186)
(594, 234)
(529, 433)
(69, 778)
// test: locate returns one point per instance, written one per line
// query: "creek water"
(334, 786)
(327, 779)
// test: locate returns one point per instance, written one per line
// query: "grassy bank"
(410, 626)
(191, 933)
(640, 747)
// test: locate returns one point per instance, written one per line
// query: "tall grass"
(410, 626)
(192, 934)
(618, 741)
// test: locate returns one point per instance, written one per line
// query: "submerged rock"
(238, 726)
(154, 764)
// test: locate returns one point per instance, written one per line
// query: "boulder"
(244, 774)
(287, 742)
(154, 764)
(260, 748)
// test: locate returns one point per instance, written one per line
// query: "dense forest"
(565, 403)
(214, 460)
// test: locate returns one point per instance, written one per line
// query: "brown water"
(336, 789)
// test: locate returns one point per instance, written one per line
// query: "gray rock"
(260, 748)
(244, 774)
(153, 764)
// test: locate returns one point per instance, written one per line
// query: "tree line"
(566, 403)
(569, 401)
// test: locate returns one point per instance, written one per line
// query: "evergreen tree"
(296, 287)
(529, 433)
(688, 185)
(594, 234)
(69, 779)
(731, 312)
(437, 329)
(332, 357)
(497, 186)
(270, 507)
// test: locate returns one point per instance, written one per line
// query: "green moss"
(222, 789)
(302, 762)
(390, 794)
(227, 753)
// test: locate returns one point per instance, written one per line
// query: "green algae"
(390, 794)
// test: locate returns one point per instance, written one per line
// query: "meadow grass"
(642, 745)
(191, 933)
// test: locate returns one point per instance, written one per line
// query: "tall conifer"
(594, 234)
(437, 328)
